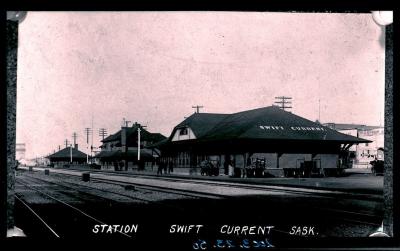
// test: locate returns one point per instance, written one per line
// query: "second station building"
(127, 149)
(270, 139)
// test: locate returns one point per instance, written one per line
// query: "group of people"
(166, 166)
(210, 169)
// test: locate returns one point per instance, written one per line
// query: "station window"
(183, 131)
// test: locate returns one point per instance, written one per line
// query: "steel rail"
(349, 214)
(40, 218)
(70, 206)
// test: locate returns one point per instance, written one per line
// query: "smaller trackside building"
(68, 156)
(281, 139)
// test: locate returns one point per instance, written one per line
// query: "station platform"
(354, 180)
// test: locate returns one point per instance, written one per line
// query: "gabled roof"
(112, 137)
(158, 144)
(248, 125)
(152, 137)
(269, 123)
(201, 123)
(131, 135)
(66, 153)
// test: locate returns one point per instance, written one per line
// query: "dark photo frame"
(165, 239)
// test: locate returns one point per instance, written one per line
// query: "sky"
(152, 67)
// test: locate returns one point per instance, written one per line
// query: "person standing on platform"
(170, 167)
(165, 166)
(160, 167)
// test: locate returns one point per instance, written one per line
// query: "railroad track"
(83, 189)
(348, 216)
(42, 226)
(201, 195)
(266, 188)
(72, 212)
(260, 187)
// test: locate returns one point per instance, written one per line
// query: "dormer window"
(183, 131)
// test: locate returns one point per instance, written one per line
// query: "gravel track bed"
(120, 193)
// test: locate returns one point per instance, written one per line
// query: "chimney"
(76, 146)
(123, 138)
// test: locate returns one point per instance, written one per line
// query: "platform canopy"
(130, 155)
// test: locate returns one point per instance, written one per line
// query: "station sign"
(293, 128)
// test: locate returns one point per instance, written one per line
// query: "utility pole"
(102, 132)
(197, 107)
(139, 130)
(74, 135)
(70, 153)
(138, 147)
(283, 102)
(91, 145)
(319, 110)
(87, 131)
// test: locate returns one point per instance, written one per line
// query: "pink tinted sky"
(151, 67)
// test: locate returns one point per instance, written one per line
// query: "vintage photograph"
(211, 129)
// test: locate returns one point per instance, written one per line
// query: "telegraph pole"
(138, 147)
(102, 132)
(87, 131)
(70, 153)
(74, 135)
(319, 110)
(283, 102)
(197, 107)
(139, 130)
(91, 145)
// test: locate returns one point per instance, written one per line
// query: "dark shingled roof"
(112, 137)
(249, 125)
(131, 134)
(201, 123)
(158, 144)
(65, 153)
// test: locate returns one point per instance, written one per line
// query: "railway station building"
(67, 157)
(120, 150)
(279, 142)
